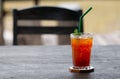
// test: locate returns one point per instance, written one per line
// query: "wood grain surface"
(52, 62)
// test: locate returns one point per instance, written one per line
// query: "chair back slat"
(52, 13)
(45, 30)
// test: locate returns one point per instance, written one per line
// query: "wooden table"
(52, 62)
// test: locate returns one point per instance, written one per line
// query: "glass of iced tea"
(81, 45)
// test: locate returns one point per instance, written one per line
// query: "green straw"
(81, 20)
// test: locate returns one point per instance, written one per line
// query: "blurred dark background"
(104, 19)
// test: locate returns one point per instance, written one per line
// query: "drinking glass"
(81, 45)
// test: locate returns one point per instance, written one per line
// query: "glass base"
(81, 69)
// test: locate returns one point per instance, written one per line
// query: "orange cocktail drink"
(81, 49)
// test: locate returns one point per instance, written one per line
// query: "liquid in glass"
(81, 49)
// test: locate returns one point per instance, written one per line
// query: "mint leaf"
(76, 32)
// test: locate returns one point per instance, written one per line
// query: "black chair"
(44, 13)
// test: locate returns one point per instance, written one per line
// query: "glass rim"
(82, 35)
